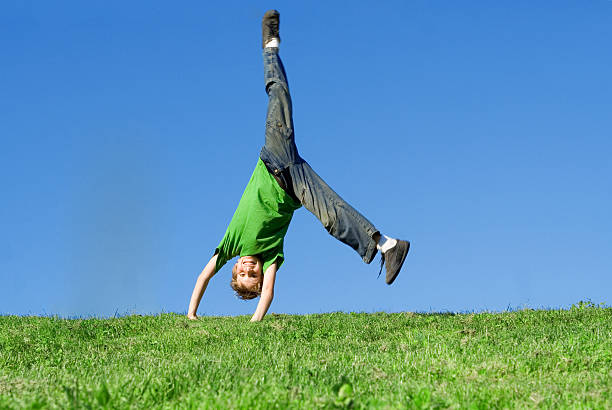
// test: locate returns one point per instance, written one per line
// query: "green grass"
(527, 358)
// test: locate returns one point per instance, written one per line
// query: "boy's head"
(247, 277)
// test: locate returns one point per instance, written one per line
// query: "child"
(281, 183)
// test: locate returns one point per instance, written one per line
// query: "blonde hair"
(241, 291)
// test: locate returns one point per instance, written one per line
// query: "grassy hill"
(528, 358)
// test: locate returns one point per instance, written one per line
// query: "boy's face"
(249, 273)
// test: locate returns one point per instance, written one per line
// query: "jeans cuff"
(371, 250)
(270, 50)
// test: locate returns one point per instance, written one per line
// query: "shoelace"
(382, 262)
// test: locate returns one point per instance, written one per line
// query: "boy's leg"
(340, 219)
(279, 150)
(345, 223)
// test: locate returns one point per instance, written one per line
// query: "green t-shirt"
(260, 222)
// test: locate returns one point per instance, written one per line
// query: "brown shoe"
(394, 259)
(269, 26)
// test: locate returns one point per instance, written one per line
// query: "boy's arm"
(267, 293)
(200, 286)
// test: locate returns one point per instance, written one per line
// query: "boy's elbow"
(268, 294)
(268, 289)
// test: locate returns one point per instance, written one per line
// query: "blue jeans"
(280, 154)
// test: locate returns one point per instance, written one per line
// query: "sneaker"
(393, 260)
(269, 26)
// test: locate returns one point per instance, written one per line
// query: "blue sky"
(480, 131)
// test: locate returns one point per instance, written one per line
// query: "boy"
(281, 183)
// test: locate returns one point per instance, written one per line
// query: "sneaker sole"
(389, 282)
